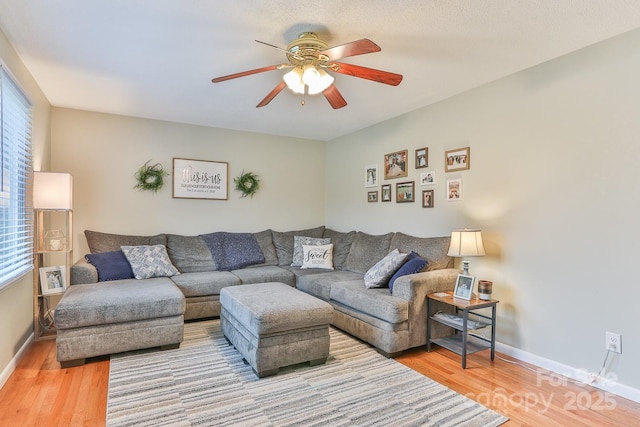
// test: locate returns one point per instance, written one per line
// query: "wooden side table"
(461, 341)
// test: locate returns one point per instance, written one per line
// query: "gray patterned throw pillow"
(298, 241)
(149, 261)
(378, 276)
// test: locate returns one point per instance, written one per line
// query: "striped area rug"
(206, 383)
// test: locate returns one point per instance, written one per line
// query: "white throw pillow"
(298, 241)
(317, 256)
(378, 276)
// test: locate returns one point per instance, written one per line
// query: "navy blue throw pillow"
(413, 264)
(232, 251)
(110, 265)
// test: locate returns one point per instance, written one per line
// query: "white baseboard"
(6, 372)
(579, 375)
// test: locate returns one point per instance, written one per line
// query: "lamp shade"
(52, 191)
(466, 243)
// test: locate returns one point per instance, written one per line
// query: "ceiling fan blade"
(379, 76)
(250, 72)
(276, 90)
(282, 49)
(334, 97)
(358, 47)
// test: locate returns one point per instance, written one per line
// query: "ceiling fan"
(310, 58)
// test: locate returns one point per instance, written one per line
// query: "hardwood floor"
(538, 398)
(40, 393)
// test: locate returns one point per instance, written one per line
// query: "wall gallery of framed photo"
(397, 164)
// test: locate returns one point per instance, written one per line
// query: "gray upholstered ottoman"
(273, 325)
(112, 317)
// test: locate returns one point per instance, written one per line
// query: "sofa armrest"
(415, 288)
(420, 285)
(83, 272)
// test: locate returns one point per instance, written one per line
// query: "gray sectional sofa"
(390, 321)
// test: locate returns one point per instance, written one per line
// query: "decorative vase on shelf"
(54, 240)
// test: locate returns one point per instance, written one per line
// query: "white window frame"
(16, 212)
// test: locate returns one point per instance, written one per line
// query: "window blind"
(16, 214)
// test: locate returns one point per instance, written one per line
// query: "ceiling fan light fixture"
(294, 82)
(323, 81)
(310, 75)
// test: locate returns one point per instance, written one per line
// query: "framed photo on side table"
(53, 279)
(464, 287)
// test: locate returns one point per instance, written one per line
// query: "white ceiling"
(156, 58)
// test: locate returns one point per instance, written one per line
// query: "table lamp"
(466, 243)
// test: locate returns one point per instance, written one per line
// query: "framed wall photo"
(458, 159)
(53, 279)
(395, 164)
(422, 158)
(428, 178)
(454, 190)
(386, 193)
(371, 176)
(405, 192)
(200, 179)
(372, 196)
(427, 198)
(464, 287)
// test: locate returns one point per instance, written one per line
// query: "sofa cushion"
(413, 264)
(110, 265)
(205, 283)
(283, 241)
(231, 251)
(341, 245)
(265, 240)
(317, 256)
(189, 253)
(319, 284)
(433, 249)
(374, 302)
(270, 273)
(149, 261)
(378, 276)
(118, 302)
(366, 250)
(299, 241)
(106, 242)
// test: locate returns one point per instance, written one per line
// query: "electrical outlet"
(613, 342)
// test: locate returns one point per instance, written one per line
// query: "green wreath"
(247, 183)
(150, 177)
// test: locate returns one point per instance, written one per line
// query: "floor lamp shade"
(52, 191)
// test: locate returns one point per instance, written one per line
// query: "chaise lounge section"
(113, 317)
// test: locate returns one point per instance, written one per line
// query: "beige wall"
(553, 185)
(16, 301)
(104, 151)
